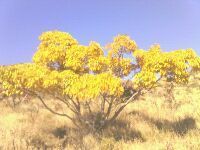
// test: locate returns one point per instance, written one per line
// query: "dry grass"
(151, 123)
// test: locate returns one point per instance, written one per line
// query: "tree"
(81, 77)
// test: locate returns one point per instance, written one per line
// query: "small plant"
(94, 86)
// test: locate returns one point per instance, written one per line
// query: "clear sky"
(173, 24)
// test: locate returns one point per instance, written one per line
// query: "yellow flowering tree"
(91, 83)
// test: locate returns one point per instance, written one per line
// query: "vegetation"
(94, 86)
(152, 122)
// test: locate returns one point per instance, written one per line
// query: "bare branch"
(88, 106)
(74, 110)
(50, 109)
(103, 104)
(110, 107)
(124, 105)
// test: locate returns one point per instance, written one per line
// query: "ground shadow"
(60, 132)
(68, 135)
(180, 127)
(118, 129)
(121, 129)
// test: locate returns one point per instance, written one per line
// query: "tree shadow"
(68, 135)
(59, 132)
(121, 130)
(118, 130)
(180, 127)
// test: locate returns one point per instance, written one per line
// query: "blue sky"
(173, 24)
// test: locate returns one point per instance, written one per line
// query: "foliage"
(79, 75)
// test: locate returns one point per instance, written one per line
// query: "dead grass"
(151, 123)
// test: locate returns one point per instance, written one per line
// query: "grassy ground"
(151, 123)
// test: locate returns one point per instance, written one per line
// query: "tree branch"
(103, 104)
(74, 110)
(50, 109)
(123, 106)
(110, 107)
(89, 108)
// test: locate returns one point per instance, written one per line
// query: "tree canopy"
(62, 65)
